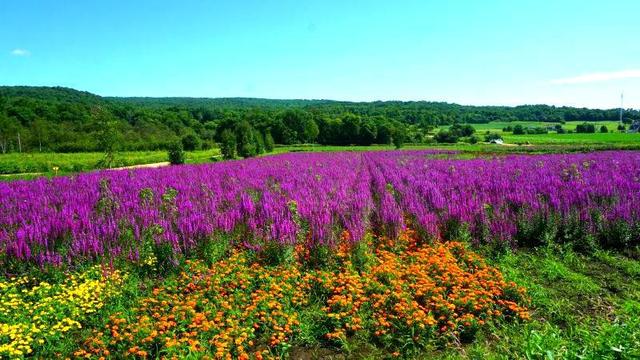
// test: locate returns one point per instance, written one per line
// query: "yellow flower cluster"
(20, 339)
(150, 260)
(33, 313)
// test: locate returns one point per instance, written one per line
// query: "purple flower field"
(312, 197)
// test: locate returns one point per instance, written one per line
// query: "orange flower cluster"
(400, 293)
(233, 310)
(418, 293)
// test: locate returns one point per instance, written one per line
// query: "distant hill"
(54, 94)
(238, 102)
(64, 119)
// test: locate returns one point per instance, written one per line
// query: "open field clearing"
(597, 138)
(419, 253)
(44, 163)
(611, 138)
(568, 125)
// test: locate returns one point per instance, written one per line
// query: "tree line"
(67, 120)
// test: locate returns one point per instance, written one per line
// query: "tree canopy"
(67, 120)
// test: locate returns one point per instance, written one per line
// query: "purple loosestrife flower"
(279, 198)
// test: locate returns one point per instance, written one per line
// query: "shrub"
(228, 144)
(247, 144)
(268, 142)
(462, 130)
(248, 149)
(446, 136)
(586, 128)
(398, 139)
(191, 142)
(176, 153)
(537, 130)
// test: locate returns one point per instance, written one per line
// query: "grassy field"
(585, 307)
(497, 126)
(30, 165)
(612, 139)
(574, 139)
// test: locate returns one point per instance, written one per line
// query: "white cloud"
(600, 76)
(20, 52)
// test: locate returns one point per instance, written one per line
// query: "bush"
(462, 130)
(446, 136)
(259, 142)
(176, 153)
(268, 142)
(585, 128)
(246, 142)
(398, 139)
(248, 149)
(518, 130)
(492, 136)
(603, 129)
(537, 130)
(228, 144)
(191, 142)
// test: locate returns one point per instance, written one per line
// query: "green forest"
(56, 119)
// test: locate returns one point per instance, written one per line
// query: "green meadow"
(30, 165)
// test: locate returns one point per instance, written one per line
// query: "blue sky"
(581, 53)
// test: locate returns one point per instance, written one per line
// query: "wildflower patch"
(239, 307)
(36, 314)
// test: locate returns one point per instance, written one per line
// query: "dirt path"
(21, 174)
(153, 165)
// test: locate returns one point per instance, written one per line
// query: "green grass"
(42, 163)
(575, 138)
(569, 125)
(612, 138)
(584, 307)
